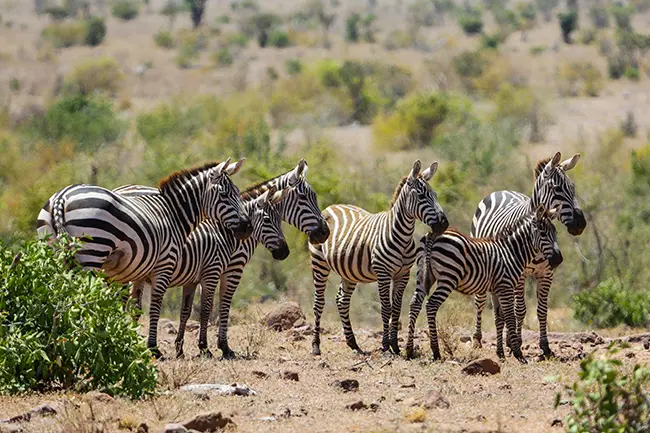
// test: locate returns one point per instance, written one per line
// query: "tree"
(568, 23)
(197, 9)
(546, 8)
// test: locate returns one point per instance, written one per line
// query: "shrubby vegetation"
(62, 327)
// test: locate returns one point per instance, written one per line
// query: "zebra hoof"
(546, 355)
(410, 354)
(228, 354)
(205, 353)
(156, 353)
(521, 358)
(180, 355)
(315, 350)
(436, 358)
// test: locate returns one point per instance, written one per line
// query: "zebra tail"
(58, 216)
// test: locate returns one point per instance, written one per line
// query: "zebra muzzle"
(321, 234)
(556, 259)
(281, 253)
(243, 230)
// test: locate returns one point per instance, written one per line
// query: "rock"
(592, 338)
(167, 326)
(42, 410)
(283, 316)
(289, 375)
(630, 355)
(357, 405)
(8, 428)
(99, 396)
(646, 343)
(142, 428)
(483, 366)
(557, 422)
(219, 389)
(207, 422)
(300, 323)
(174, 428)
(433, 399)
(260, 374)
(347, 385)
(465, 339)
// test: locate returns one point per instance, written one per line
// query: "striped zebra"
(365, 247)
(479, 265)
(208, 251)
(552, 188)
(299, 208)
(136, 238)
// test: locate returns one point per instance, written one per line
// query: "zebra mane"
(257, 189)
(168, 182)
(539, 167)
(398, 190)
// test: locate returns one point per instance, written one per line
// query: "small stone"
(347, 385)
(646, 343)
(465, 338)
(142, 428)
(374, 407)
(259, 374)
(410, 385)
(286, 413)
(630, 355)
(357, 405)
(174, 428)
(433, 399)
(208, 422)
(483, 366)
(100, 396)
(283, 316)
(505, 386)
(299, 323)
(289, 375)
(8, 428)
(557, 422)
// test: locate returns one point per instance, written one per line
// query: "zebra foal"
(552, 188)
(136, 238)
(480, 265)
(365, 247)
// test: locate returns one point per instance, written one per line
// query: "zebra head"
(267, 222)
(301, 206)
(554, 188)
(222, 201)
(422, 200)
(545, 235)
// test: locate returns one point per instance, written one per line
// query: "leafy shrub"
(579, 78)
(14, 84)
(164, 39)
(57, 12)
(197, 9)
(96, 75)
(125, 9)
(222, 19)
(64, 35)
(616, 66)
(190, 44)
(632, 73)
(611, 304)
(352, 27)
(491, 41)
(223, 57)
(66, 327)
(623, 16)
(527, 11)
(237, 39)
(514, 103)
(95, 31)
(279, 39)
(471, 22)
(536, 50)
(606, 398)
(568, 23)
(293, 66)
(469, 65)
(260, 26)
(588, 35)
(89, 121)
(599, 16)
(397, 39)
(629, 129)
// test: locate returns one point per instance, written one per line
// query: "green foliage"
(14, 84)
(65, 35)
(491, 41)
(293, 66)
(223, 57)
(470, 65)
(606, 398)
(57, 12)
(63, 327)
(610, 304)
(616, 66)
(579, 78)
(94, 75)
(568, 23)
(527, 11)
(508, 20)
(352, 27)
(599, 16)
(197, 9)
(632, 73)
(89, 121)
(95, 32)
(279, 39)
(260, 26)
(164, 39)
(588, 35)
(237, 39)
(471, 22)
(536, 50)
(623, 16)
(125, 10)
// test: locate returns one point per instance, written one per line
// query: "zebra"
(365, 247)
(299, 208)
(552, 188)
(480, 265)
(136, 238)
(208, 250)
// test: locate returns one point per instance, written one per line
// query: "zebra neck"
(401, 220)
(536, 198)
(520, 245)
(185, 200)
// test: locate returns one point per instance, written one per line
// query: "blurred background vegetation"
(127, 91)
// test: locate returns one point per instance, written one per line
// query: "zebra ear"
(217, 171)
(427, 174)
(539, 212)
(234, 168)
(570, 163)
(554, 213)
(553, 162)
(279, 196)
(415, 172)
(263, 198)
(299, 173)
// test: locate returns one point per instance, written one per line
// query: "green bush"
(471, 22)
(491, 41)
(632, 73)
(57, 12)
(599, 16)
(125, 9)
(89, 121)
(536, 50)
(223, 57)
(94, 75)
(623, 16)
(352, 27)
(95, 31)
(588, 35)
(63, 327)
(616, 66)
(293, 66)
(606, 398)
(611, 304)
(237, 39)
(568, 23)
(279, 39)
(164, 39)
(65, 35)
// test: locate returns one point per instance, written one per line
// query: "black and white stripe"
(141, 238)
(552, 188)
(476, 266)
(365, 247)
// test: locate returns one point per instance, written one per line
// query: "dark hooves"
(156, 353)
(205, 353)
(228, 354)
(315, 350)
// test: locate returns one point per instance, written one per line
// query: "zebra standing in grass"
(476, 266)
(299, 208)
(552, 188)
(365, 247)
(136, 238)
(208, 250)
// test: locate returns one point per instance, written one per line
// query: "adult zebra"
(208, 250)
(299, 208)
(552, 188)
(365, 247)
(481, 265)
(135, 238)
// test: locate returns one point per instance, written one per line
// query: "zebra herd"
(197, 227)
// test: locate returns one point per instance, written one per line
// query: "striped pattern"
(552, 188)
(141, 238)
(365, 247)
(476, 266)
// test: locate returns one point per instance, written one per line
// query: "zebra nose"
(321, 234)
(577, 224)
(556, 259)
(243, 229)
(441, 225)
(282, 252)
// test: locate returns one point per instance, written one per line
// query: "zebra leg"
(207, 301)
(498, 324)
(320, 272)
(159, 283)
(506, 300)
(433, 304)
(399, 285)
(228, 284)
(383, 283)
(136, 293)
(543, 286)
(186, 311)
(520, 308)
(346, 288)
(423, 285)
(479, 303)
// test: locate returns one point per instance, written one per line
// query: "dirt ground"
(518, 399)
